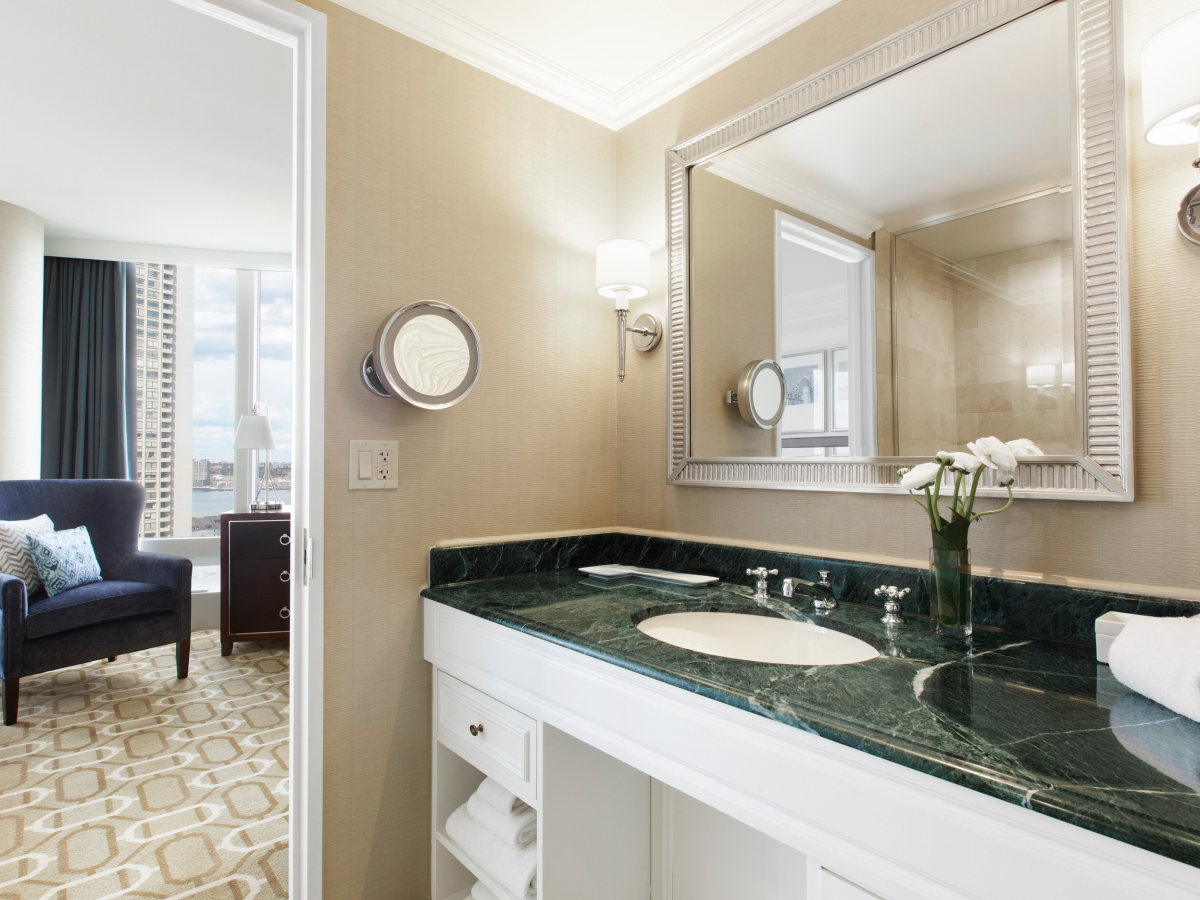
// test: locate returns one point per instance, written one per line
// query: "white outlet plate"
(373, 465)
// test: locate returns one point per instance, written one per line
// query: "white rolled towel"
(482, 892)
(1160, 659)
(515, 870)
(518, 829)
(500, 797)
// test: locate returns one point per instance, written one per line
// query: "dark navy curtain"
(87, 377)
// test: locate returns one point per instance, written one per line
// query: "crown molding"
(758, 178)
(443, 29)
(127, 251)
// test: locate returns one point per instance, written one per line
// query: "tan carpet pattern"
(120, 781)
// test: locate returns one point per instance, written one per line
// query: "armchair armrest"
(14, 604)
(158, 568)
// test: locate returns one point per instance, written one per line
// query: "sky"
(213, 372)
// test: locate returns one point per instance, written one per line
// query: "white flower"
(1006, 479)
(993, 453)
(919, 477)
(943, 456)
(966, 463)
(1024, 447)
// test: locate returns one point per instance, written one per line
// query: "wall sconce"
(623, 274)
(1171, 100)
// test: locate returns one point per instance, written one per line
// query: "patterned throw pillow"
(64, 559)
(15, 556)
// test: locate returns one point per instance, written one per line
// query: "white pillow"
(15, 556)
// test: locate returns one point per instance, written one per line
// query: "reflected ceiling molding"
(758, 178)
(440, 27)
(902, 228)
(126, 251)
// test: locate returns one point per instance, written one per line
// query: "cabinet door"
(268, 577)
(257, 540)
(251, 614)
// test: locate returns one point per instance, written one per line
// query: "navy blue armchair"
(145, 599)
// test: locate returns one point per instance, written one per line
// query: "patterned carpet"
(119, 781)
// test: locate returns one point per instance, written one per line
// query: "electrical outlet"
(373, 465)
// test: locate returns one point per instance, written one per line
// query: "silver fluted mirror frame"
(1103, 469)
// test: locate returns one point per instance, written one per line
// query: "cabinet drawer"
(256, 540)
(505, 747)
(257, 614)
(259, 576)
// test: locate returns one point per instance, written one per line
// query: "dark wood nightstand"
(256, 559)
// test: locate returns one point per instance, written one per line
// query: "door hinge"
(308, 557)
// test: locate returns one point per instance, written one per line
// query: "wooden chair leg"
(183, 650)
(11, 689)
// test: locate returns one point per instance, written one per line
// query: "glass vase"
(950, 591)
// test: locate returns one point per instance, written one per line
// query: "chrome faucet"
(892, 614)
(760, 581)
(823, 591)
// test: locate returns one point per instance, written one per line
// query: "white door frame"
(304, 30)
(863, 440)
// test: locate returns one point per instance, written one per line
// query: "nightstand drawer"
(253, 615)
(249, 577)
(499, 740)
(260, 540)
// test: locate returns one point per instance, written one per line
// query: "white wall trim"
(758, 178)
(125, 251)
(433, 24)
(304, 30)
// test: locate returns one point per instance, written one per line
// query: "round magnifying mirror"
(426, 354)
(761, 394)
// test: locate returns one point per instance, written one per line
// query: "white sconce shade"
(254, 433)
(1171, 83)
(623, 270)
(1040, 376)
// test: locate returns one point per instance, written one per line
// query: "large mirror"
(906, 237)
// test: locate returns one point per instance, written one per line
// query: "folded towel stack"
(1160, 659)
(499, 831)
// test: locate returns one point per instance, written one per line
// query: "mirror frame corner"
(1103, 467)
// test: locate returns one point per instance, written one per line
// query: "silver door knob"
(285, 613)
(285, 577)
(285, 539)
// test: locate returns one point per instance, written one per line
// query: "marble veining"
(1038, 609)
(1032, 721)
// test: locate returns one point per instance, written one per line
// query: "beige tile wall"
(924, 310)
(1153, 543)
(446, 184)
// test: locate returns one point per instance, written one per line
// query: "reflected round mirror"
(426, 354)
(760, 393)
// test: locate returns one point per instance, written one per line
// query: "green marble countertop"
(1031, 721)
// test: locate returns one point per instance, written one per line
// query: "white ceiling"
(979, 125)
(141, 121)
(611, 62)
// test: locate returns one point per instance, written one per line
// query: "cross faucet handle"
(762, 572)
(760, 580)
(892, 592)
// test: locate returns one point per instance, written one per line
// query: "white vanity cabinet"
(646, 790)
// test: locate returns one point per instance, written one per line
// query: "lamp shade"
(623, 267)
(1171, 83)
(254, 433)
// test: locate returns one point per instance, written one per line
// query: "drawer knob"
(285, 576)
(477, 730)
(285, 539)
(285, 613)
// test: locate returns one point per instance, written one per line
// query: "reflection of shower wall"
(924, 310)
(885, 412)
(1018, 314)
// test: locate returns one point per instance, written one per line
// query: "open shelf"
(474, 868)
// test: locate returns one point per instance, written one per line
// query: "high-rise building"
(156, 406)
(200, 471)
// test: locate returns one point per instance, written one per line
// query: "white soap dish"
(1108, 626)
(652, 574)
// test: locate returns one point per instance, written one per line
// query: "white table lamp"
(623, 274)
(254, 433)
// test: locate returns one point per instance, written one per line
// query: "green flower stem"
(956, 506)
(974, 487)
(992, 512)
(925, 506)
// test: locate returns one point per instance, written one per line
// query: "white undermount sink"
(758, 638)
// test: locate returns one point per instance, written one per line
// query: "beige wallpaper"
(446, 184)
(1154, 543)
